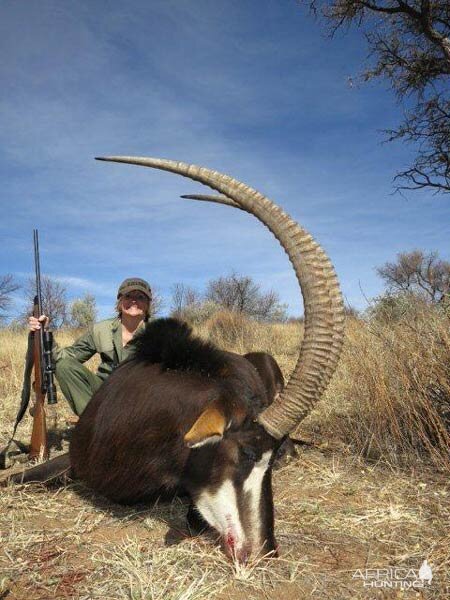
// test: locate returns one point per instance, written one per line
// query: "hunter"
(111, 338)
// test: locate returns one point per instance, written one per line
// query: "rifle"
(44, 369)
(39, 357)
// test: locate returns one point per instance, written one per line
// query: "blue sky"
(253, 89)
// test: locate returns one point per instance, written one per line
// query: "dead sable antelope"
(183, 415)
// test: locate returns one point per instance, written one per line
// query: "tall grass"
(390, 398)
(13, 347)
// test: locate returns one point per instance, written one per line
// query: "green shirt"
(104, 338)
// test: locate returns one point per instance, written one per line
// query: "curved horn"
(323, 304)
(213, 198)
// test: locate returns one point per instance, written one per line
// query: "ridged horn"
(323, 304)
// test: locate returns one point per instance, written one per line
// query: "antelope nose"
(240, 555)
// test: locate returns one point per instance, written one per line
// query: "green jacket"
(104, 338)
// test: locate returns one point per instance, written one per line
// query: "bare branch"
(409, 46)
(184, 298)
(7, 287)
(54, 300)
(241, 294)
(417, 272)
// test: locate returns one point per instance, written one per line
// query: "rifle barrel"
(38, 303)
(37, 267)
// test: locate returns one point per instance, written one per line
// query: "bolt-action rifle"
(44, 370)
(39, 358)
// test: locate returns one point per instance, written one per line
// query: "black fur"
(171, 344)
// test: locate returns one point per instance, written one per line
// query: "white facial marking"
(253, 487)
(220, 510)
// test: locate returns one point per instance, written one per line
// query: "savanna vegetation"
(368, 489)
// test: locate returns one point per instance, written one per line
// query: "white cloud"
(80, 284)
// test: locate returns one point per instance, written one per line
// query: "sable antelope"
(184, 415)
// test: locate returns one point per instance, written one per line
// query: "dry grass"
(335, 510)
(390, 398)
(334, 515)
(234, 332)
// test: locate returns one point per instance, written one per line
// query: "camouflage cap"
(134, 284)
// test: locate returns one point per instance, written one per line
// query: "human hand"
(34, 324)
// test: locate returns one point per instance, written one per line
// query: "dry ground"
(336, 514)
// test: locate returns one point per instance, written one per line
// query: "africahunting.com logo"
(401, 578)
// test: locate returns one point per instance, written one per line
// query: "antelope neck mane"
(171, 343)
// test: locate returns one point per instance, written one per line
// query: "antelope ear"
(207, 429)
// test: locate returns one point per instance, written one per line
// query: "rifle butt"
(38, 444)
